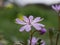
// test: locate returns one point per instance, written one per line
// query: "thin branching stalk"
(57, 38)
(31, 35)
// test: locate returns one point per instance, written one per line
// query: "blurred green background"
(10, 29)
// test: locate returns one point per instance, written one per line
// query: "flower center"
(29, 22)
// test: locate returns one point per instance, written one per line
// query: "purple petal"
(58, 7)
(37, 19)
(31, 18)
(37, 27)
(18, 21)
(41, 25)
(22, 28)
(28, 28)
(42, 31)
(34, 40)
(26, 19)
(55, 8)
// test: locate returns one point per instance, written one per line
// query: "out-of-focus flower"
(17, 41)
(42, 31)
(34, 41)
(28, 22)
(56, 7)
(1, 3)
(8, 5)
(26, 2)
(42, 42)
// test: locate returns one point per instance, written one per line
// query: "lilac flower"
(28, 22)
(56, 7)
(34, 41)
(42, 31)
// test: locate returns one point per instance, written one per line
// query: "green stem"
(51, 36)
(57, 39)
(59, 22)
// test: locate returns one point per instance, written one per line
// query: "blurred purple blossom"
(42, 42)
(28, 22)
(42, 31)
(56, 7)
(34, 41)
